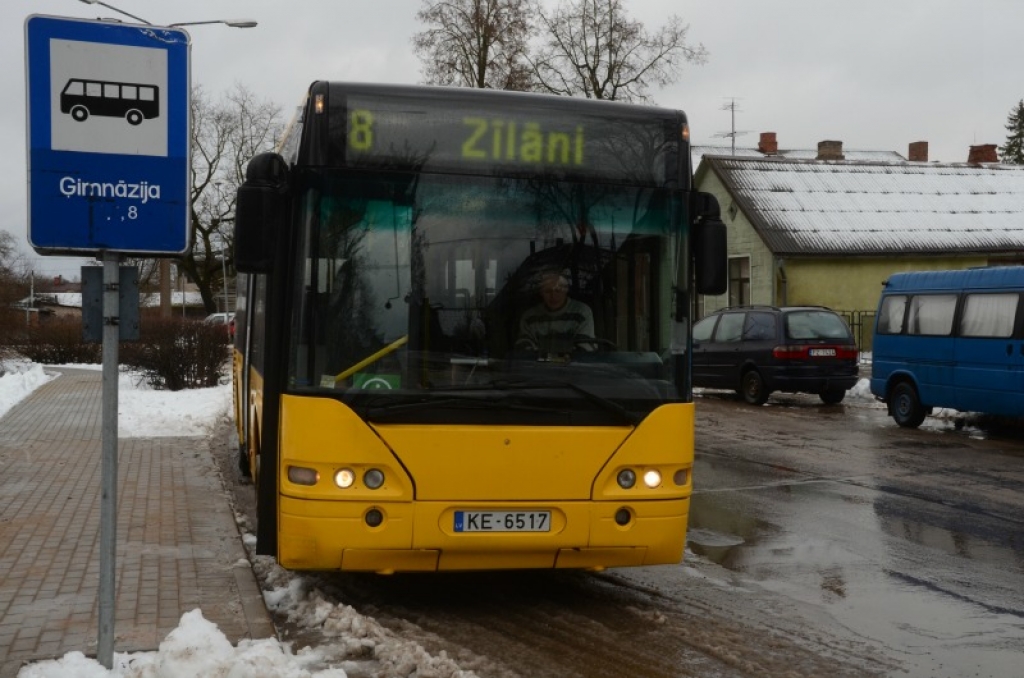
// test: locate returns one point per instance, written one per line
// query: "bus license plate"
(502, 521)
(823, 352)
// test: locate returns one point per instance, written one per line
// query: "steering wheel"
(605, 344)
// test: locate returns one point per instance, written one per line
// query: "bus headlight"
(626, 478)
(344, 478)
(652, 478)
(373, 478)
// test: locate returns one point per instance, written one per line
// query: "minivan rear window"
(813, 324)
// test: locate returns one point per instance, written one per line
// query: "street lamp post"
(233, 23)
(108, 508)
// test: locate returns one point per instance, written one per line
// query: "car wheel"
(905, 406)
(752, 388)
(832, 396)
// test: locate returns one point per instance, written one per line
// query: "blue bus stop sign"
(108, 137)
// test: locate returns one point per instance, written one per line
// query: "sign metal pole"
(108, 504)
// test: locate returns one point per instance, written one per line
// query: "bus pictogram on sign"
(133, 101)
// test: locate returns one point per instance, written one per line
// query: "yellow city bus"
(390, 411)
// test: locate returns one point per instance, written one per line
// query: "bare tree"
(476, 43)
(592, 48)
(225, 135)
(14, 277)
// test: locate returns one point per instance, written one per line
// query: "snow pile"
(195, 648)
(17, 381)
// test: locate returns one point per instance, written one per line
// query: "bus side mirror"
(710, 247)
(260, 213)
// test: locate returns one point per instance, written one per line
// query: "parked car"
(757, 350)
(222, 319)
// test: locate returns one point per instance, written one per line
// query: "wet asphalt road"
(913, 539)
(823, 541)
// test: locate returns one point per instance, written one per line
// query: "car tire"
(752, 388)
(905, 405)
(832, 396)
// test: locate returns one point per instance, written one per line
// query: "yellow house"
(830, 230)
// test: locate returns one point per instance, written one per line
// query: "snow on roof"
(851, 207)
(698, 151)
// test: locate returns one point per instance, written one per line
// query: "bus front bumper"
(318, 535)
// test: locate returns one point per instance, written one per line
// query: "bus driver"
(558, 323)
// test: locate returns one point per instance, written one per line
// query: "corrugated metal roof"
(700, 150)
(850, 207)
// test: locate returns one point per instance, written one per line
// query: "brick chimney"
(768, 145)
(918, 151)
(982, 153)
(830, 150)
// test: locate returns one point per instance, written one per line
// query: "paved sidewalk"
(178, 547)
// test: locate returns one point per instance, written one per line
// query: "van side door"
(723, 352)
(989, 354)
(930, 347)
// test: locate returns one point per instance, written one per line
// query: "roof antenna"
(731, 106)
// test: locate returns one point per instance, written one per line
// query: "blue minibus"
(950, 339)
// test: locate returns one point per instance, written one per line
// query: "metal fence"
(862, 324)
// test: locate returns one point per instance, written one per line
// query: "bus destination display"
(390, 133)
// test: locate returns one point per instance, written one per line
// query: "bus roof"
(496, 98)
(998, 277)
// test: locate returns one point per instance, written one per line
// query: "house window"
(739, 281)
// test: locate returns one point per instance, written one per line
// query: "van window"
(759, 327)
(730, 327)
(989, 315)
(890, 316)
(931, 314)
(702, 330)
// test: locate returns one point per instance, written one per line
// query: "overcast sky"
(875, 74)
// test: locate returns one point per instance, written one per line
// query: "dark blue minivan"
(950, 339)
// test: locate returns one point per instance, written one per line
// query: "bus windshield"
(421, 298)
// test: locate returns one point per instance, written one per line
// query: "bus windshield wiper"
(448, 402)
(604, 403)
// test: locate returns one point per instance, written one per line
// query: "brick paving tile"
(177, 542)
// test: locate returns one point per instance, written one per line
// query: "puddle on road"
(902, 579)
